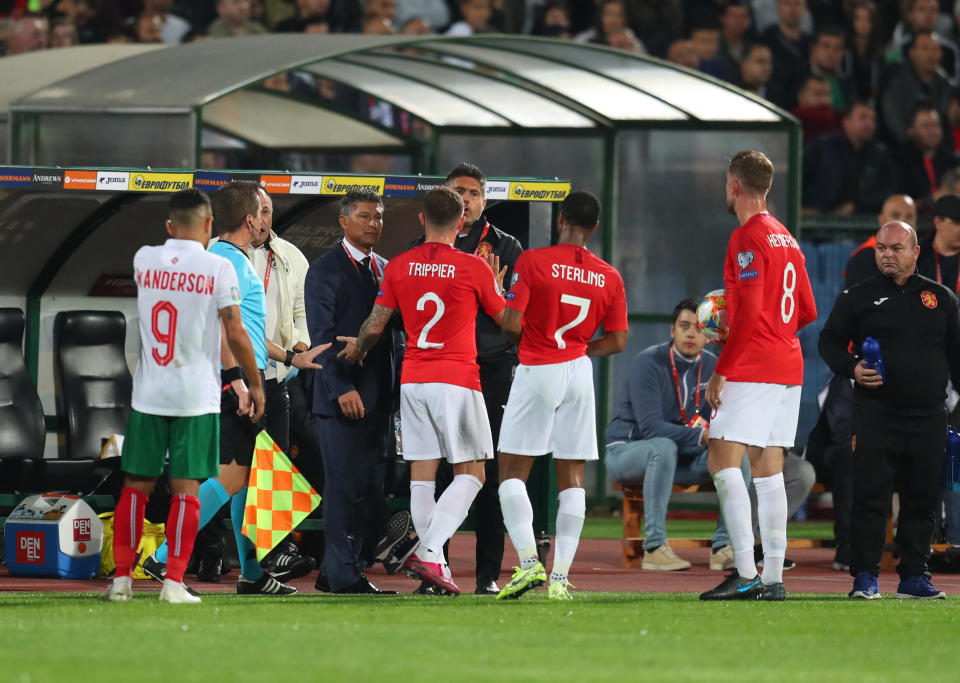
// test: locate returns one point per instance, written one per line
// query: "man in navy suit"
(353, 403)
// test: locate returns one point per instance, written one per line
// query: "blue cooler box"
(53, 535)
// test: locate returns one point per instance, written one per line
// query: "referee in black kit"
(497, 358)
(899, 421)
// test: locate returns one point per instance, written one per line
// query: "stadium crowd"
(873, 82)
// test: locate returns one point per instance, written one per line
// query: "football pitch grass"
(595, 637)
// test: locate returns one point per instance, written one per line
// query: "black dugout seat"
(93, 382)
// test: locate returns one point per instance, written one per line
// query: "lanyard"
(936, 258)
(486, 229)
(377, 273)
(676, 385)
(266, 275)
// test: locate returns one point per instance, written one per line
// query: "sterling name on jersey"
(768, 300)
(438, 290)
(566, 293)
(181, 288)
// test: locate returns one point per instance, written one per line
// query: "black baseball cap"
(948, 206)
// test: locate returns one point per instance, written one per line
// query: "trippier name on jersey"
(444, 270)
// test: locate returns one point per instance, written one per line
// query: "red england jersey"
(438, 290)
(768, 300)
(565, 293)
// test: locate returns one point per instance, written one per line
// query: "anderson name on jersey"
(181, 288)
(567, 293)
(438, 289)
(768, 299)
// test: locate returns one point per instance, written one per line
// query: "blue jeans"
(659, 464)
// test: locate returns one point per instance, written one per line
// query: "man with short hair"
(234, 20)
(31, 32)
(756, 68)
(790, 47)
(560, 298)
(899, 417)
(848, 171)
(176, 390)
(863, 261)
(353, 403)
(735, 24)
(438, 290)
(236, 215)
(497, 357)
(939, 258)
(755, 386)
(923, 159)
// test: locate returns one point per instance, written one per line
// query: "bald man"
(899, 417)
(863, 262)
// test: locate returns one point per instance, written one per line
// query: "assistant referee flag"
(278, 496)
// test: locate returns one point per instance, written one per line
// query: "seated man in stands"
(658, 434)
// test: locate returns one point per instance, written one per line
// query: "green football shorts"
(193, 442)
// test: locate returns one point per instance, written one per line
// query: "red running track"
(596, 568)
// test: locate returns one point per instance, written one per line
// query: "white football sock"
(735, 504)
(772, 514)
(570, 513)
(422, 503)
(518, 519)
(448, 515)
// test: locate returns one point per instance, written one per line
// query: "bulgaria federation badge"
(484, 249)
(928, 298)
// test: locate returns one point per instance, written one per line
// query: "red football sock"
(182, 526)
(127, 529)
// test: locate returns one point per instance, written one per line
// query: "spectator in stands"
(31, 32)
(84, 14)
(706, 42)
(826, 60)
(756, 69)
(862, 60)
(949, 183)
(683, 53)
(611, 19)
(659, 431)
(919, 78)
(380, 26)
(63, 33)
(554, 22)
(921, 16)
(234, 20)
(734, 34)
(148, 28)
(922, 159)
(863, 261)
(657, 22)
(848, 171)
(815, 109)
(435, 13)
(953, 118)
(766, 14)
(173, 27)
(790, 46)
(416, 26)
(476, 18)
(307, 11)
(382, 11)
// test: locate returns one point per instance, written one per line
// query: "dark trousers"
(903, 454)
(354, 456)
(303, 429)
(496, 376)
(276, 419)
(841, 486)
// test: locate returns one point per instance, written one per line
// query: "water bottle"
(871, 356)
(953, 460)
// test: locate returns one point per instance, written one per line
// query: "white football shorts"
(757, 414)
(551, 410)
(444, 421)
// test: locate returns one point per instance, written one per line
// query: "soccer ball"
(712, 316)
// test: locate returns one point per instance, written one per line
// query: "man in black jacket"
(497, 357)
(899, 418)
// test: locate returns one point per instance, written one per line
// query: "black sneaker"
(265, 585)
(157, 571)
(393, 563)
(774, 592)
(429, 589)
(735, 588)
(788, 564)
(288, 564)
(399, 528)
(210, 569)
(487, 587)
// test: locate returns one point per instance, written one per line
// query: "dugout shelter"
(651, 138)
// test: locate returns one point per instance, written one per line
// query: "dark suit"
(339, 296)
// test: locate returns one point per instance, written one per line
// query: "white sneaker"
(723, 560)
(176, 592)
(120, 590)
(663, 559)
